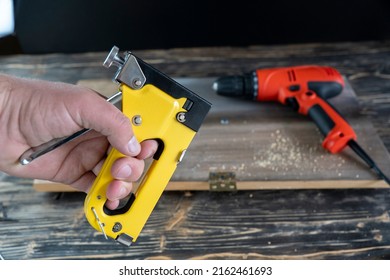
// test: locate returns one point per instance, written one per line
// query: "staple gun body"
(160, 109)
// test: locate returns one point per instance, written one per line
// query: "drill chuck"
(243, 86)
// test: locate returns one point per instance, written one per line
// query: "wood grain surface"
(266, 142)
(252, 224)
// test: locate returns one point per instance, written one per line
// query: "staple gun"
(160, 109)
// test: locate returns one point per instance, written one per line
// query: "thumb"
(98, 114)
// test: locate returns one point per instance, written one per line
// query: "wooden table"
(267, 224)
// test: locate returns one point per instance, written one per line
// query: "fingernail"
(134, 147)
(124, 172)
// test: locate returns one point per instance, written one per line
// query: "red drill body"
(277, 84)
(305, 88)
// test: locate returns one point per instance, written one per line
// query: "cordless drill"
(306, 89)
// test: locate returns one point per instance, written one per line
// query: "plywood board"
(267, 145)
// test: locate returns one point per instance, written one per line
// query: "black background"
(44, 26)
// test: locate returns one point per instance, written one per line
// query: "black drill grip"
(332, 125)
(324, 123)
(325, 90)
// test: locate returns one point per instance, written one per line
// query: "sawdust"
(288, 155)
(282, 154)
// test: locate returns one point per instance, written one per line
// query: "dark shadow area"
(44, 26)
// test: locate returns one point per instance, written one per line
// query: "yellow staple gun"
(160, 109)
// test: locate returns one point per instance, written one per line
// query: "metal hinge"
(222, 181)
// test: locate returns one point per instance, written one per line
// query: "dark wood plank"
(305, 224)
(277, 224)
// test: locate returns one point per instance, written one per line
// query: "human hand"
(34, 112)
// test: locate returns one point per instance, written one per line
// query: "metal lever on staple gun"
(160, 109)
